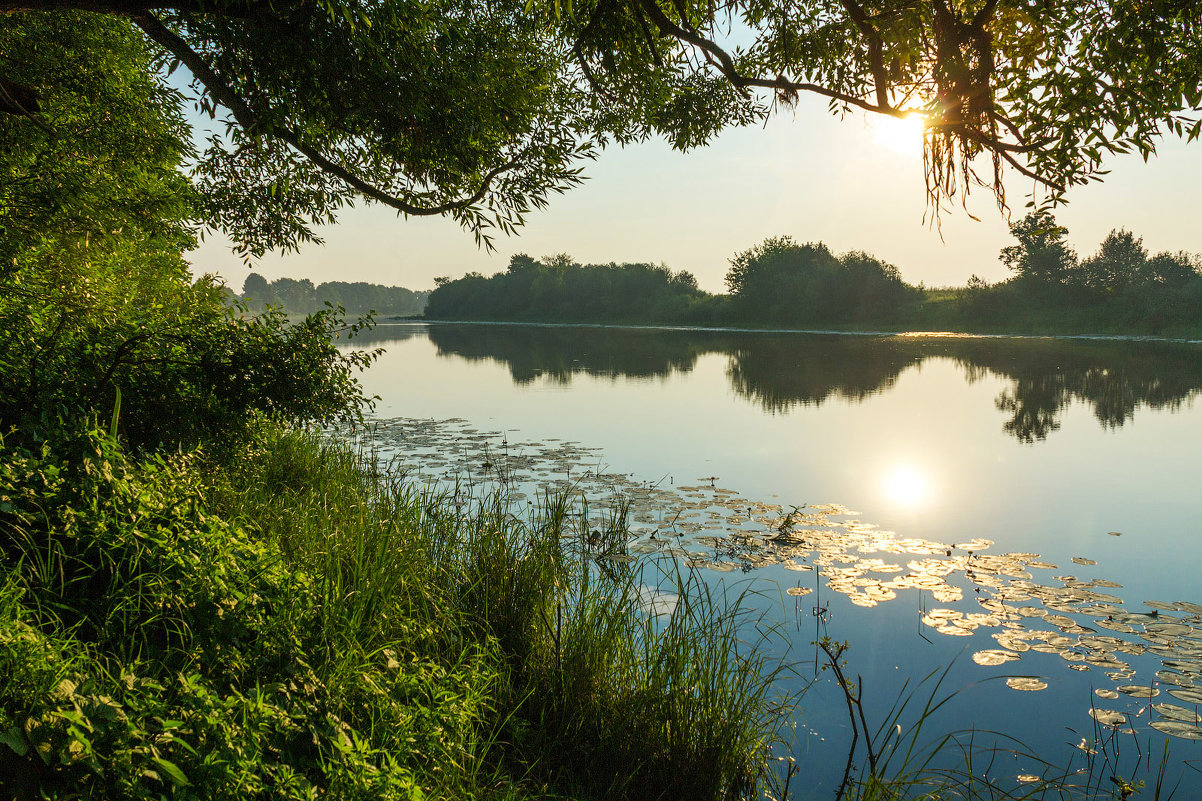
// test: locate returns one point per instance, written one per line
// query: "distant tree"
(560, 261)
(1171, 269)
(520, 262)
(782, 281)
(256, 288)
(685, 280)
(1041, 254)
(746, 265)
(298, 297)
(1120, 260)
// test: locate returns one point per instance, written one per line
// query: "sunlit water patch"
(1027, 617)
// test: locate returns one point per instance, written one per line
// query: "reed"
(301, 621)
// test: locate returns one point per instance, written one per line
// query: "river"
(1024, 510)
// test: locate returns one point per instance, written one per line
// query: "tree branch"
(876, 58)
(722, 60)
(246, 117)
(131, 8)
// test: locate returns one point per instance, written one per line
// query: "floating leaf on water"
(1107, 717)
(1174, 712)
(1138, 690)
(1190, 695)
(1081, 560)
(1178, 728)
(945, 595)
(1011, 643)
(1026, 683)
(1109, 695)
(1170, 629)
(798, 591)
(799, 568)
(1026, 778)
(1032, 611)
(953, 630)
(1078, 666)
(1115, 533)
(994, 656)
(1176, 679)
(1115, 625)
(1162, 606)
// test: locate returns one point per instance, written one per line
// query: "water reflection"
(1030, 610)
(781, 371)
(906, 485)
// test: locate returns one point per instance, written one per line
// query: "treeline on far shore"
(1121, 289)
(302, 297)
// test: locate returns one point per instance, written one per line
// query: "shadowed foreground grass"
(300, 624)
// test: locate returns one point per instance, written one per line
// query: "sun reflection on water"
(905, 485)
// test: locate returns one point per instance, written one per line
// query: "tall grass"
(904, 761)
(303, 623)
(589, 693)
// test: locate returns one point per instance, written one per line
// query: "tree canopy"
(482, 110)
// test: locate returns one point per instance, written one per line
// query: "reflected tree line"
(781, 371)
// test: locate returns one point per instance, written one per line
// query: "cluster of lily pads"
(705, 526)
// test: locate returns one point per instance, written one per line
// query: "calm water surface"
(1080, 457)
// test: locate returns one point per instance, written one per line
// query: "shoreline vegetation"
(300, 622)
(854, 332)
(782, 285)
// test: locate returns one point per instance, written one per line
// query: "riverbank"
(1191, 337)
(299, 622)
(811, 290)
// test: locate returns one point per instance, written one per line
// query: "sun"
(902, 135)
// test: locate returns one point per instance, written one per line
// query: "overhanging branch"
(717, 56)
(249, 120)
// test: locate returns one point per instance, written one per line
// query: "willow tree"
(481, 109)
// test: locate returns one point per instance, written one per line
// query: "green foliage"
(303, 624)
(1051, 89)
(591, 696)
(437, 107)
(301, 297)
(1041, 255)
(776, 283)
(785, 283)
(95, 300)
(1120, 260)
(558, 289)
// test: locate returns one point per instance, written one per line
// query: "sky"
(854, 183)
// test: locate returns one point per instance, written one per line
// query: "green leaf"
(14, 738)
(173, 772)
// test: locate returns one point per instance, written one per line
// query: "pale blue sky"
(853, 183)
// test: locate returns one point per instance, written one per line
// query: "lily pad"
(1107, 717)
(1178, 728)
(994, 656)
(1190, 695)
(1138, 690)
(1026, 683)
(1174, 712)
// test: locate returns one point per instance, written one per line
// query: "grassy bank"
(303, 625)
